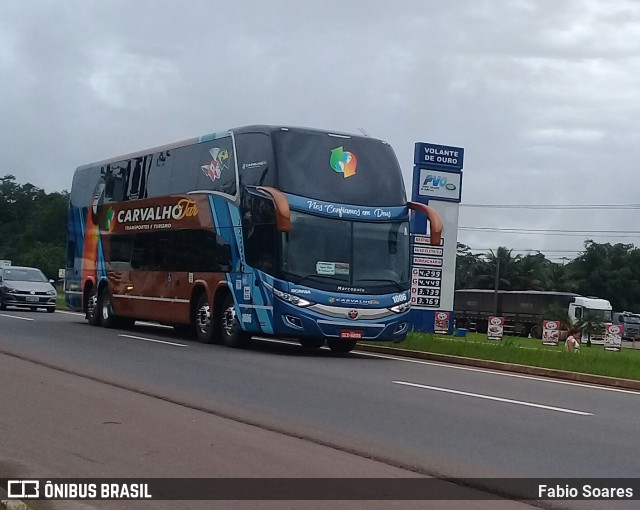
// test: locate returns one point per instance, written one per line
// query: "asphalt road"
(427, 418)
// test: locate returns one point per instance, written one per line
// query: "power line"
(553, 230)
(531, 249)
(558, 232)
(553, 206)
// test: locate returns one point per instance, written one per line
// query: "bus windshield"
(338, 254)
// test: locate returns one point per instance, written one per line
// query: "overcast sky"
(543, 95)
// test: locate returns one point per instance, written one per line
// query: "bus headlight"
(401, 308)
(294, 300)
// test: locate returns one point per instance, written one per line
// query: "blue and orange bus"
(261, 230)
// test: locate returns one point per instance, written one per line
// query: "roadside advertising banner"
(613, 337)
(550, 332)
(441, 323)
(495, 328)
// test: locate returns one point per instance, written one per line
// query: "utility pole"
(496, 287)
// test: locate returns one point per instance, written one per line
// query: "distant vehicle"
(631, 323)
(523, 310)
(26, 287)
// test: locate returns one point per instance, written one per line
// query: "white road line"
(154, 324)
(153, 340)
(497, 372)
(70, 313)
(16, 317)
(497, 399)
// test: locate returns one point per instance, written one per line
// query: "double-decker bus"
(260, 230)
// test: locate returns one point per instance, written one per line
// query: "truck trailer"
(523, 310)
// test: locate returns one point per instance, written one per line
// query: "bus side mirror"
(435, 222)
(283, 212)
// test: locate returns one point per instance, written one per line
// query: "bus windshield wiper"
(382, 280)
(321, 276)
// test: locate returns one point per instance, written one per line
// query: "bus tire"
(92, 308)
(203, 320)
(311, 343)
(229, 326)
(536, 332)
(105, 309)
(340, 344)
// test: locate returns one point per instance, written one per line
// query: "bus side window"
(259, 231)
(137, 180)
(201, 251)
(159, 174)
(223, 254)
(116, 180)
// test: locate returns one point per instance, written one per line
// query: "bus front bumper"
(294, 321)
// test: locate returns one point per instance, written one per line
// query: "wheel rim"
(106, 310)
(203, 319)
(229, 320)
(91, 305)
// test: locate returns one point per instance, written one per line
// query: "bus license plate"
(32, 299)
(351, 334)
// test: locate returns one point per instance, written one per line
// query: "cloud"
(537, 92)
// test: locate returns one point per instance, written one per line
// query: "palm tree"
(591, 325)
(502, 263)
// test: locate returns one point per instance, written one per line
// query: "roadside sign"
(613, 337)
(550, 332)
(441, 322)
(495, 328)
(5, 263)
(61, 273)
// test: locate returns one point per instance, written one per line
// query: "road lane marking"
(16, 317)
(496, 372)
(153, 340)
(496, 399)
(153, 324)
(70, 313)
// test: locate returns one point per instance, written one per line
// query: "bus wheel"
(202, 320)
(92, 308)
(311, 343)
(105, 309)
(341, 345)
(230, 331)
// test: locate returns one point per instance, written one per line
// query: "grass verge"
(523, 351)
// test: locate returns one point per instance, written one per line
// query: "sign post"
(613, 337)
(437, 182)
(550, 332)
(495, 328)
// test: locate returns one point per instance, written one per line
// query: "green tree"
(501, 262)
(590, 325)
(466, 267)
(610, 272)
(32, 226)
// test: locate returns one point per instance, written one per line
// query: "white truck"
(598, 308)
